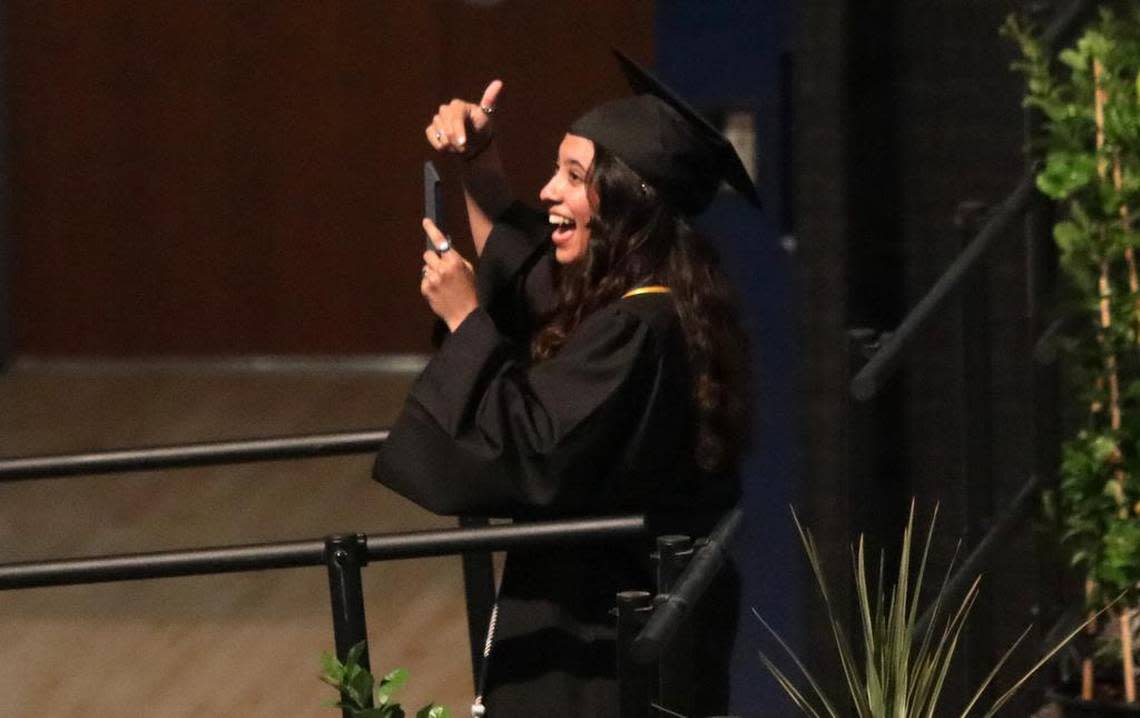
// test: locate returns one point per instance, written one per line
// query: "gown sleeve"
(515, 276)
(485, 432)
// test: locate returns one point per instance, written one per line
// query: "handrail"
(990, 543)
(871, 378)
(191, 455)
(884, 362)
(293, 554)
(690, 587)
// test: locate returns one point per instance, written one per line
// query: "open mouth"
(563, 228)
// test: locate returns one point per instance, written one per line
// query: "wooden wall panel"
(244, 178)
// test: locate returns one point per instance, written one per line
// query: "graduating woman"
(594, 366)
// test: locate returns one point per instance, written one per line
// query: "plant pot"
(1073, 707)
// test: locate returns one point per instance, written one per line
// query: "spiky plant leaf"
(828, 707)
(901, 674)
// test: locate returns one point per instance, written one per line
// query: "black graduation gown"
(603, 427)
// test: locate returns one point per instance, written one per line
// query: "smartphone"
(433, 210)
(433, 199)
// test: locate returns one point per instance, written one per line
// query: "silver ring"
(443, 247)
(487, 109)
(438, 135)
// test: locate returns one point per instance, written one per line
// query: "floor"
(233, 645)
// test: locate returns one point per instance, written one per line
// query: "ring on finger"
(438, 135)
(487, 109)
(444, 246)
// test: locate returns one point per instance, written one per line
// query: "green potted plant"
(362, 696)
(1089, 98)
(896, 667)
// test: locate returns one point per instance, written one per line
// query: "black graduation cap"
(667, 142)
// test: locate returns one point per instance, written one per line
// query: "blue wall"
(720, 54)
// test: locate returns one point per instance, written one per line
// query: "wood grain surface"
(218, 178)
(232, 645)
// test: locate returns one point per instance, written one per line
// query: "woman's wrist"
(477, 150)
(457, 319)
(486, 182)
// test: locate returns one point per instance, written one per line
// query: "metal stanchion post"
(675, 668)
(866, 502)
(479, 588)
(673, 554)
(344, 555)
(866, 508)
(635, 680)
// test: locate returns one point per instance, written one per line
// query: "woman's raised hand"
(448, 280)
(464, 127)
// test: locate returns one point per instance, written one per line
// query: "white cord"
(478, 710)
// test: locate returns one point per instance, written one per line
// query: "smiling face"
(567, 196)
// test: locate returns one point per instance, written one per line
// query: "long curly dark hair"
(636, 239)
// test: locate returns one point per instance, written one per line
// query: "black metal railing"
(655, 637)
(684, 575)
(294, 554)
(343, 556)
(886, 359)
(678, 592)
(213, 453)
(875, 356)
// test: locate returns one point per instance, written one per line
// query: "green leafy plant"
(1089, 99)
(365, 697)
(894, 669)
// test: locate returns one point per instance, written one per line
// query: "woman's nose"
(549, 193)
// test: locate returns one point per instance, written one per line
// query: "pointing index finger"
(491, 94)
